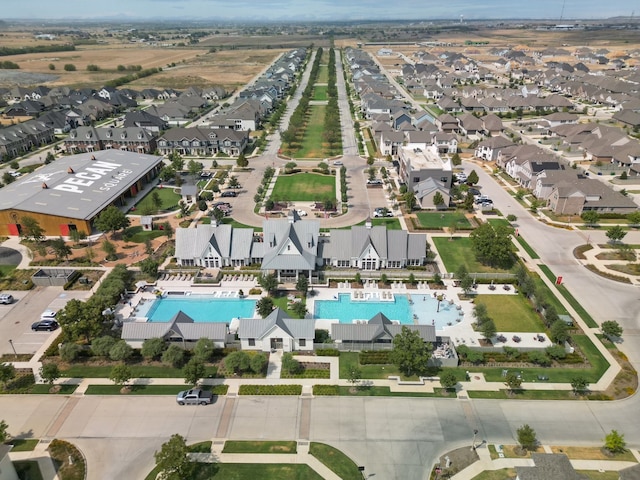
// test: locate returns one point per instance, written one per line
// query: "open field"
(304, 187)
(511, 313)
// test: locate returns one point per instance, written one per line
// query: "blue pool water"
(421, 308)
(201, 308)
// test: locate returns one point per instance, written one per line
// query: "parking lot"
(16, 318)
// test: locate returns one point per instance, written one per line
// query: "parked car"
(48, 315)
(228, 193)
(374, 182)
(44, 326)
(382, 212)
(6, 299)
(301, 213)
(461, 177)
(195, 396)
(205, 174)
(338, 163)
(478, 199)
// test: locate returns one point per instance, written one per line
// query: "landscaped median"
(151, 389)
(372, 391)
(270, 390)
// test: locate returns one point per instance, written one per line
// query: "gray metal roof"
(181, 325)
(79, 186)
(377, 329)
(259, 327)
(290, 244)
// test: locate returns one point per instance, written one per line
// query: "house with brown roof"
(582, 194)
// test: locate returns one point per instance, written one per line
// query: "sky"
(275, 10)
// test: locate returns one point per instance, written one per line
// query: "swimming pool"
(421, 308)
(202, 308)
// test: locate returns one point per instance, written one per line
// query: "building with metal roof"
(292, 247)
(278, 331)
(181, 329)
(71, 192)
(377, 330)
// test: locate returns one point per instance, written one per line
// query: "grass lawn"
(23, 444)
(238, 446)
(151, 389)
(312, 141)
(595, 475)
(368, 371)
(500, 222)
(436, 220)
(526, 395)
(527, 248)
(458, 252)
(320, 93)
(503, 474)
(570, 298)
(511, 313)
(336, 461)
(283, 303)
(323, 74)
(168, 198)
(7, 270)
(390, 223)
(592, 453)
(304, 187)
(137, 371)
(248, 471)
(137, 235)
(234, 224)
(28, 469)
(549, 295)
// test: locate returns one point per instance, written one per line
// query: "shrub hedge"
(270, 390)
(328, 352)
(326, 390)
(372, 357)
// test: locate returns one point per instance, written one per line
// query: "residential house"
(91, 139)
(390, 142)
(492, 125)
(489, 148)
(277, 331)
(417, 165)
(426, 191)
(470, 125)
(144, 119)
(445, 142)
(582, 194)
(203, 141)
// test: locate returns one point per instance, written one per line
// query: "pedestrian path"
(275, 365)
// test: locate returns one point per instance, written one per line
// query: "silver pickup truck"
(195, 396)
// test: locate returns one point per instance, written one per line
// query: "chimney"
(367, 223)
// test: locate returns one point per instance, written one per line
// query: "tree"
(455, 159)
(299, 309)
(590, 217)
(438, 200)
(217, 214)
(7, 372)
(354, 375)
(49, 158)
(614, 442)
(410, 353)
(264, 306)
(174, 356)
(109, 249)
(152, 348)
(167, 173)
(239, 361)
(204, 349)
(69, 352)
(242, 161)
(559, 331)
(269, 282)
(579, 384)
(7, 178)
(302, 285)
(467, 204)
(492, 245)
(513, 381)
(488, 329)
(616, 233)
(173, 459)
(634, 218)
(60, 249)
(472, 179)
(448, 380)
(149, 267)
(4, 435)
(81, 320)
(167, 229)
(539, 358)
(611, 329)
(101, 345)
(111, 219)
(49, 372)
(193, 371)
(195, 168)
(527, 437)
(258, 363)
(120, 374)
(290, 364)
(156, 200)
(233, 182)
(69, 67)
(453, 226)
(121, 351)
(410, 200)
(31, 229)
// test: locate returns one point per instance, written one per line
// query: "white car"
(338, 163)
(301, 213)
(48, 315)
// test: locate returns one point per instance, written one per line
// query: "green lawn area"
(234, 224)
(436, 220)
(320, 93)
(7, 270)
(240, 446)
(386, 392)
(283, 303)
(151, 389)
(548, 294)
(167, 196)
(458, 252)
(500, 222)
(336, 461)
(323, 74)
(390, 223)
(369, 371)
(588, 319)
(137, 235)
(137, 371)
(527, 248)
(23, 444)
(304, 187)
(503, 474)
(312, 141)
(249, 471)
(511, 313)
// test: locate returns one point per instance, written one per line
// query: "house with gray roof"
(548, 466)
(276, 331)
(181, 330)
(582, 194)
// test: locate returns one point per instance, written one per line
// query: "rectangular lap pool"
(202, 308)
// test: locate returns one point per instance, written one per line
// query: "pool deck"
(460, 333)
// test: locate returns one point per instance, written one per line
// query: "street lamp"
(13, 348)
(473, 442)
